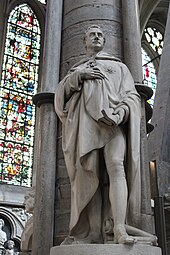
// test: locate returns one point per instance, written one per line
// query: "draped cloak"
(79, 105)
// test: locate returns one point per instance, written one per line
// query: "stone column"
(159, 140)
(133, 59)
(3, 24)
(46, 134)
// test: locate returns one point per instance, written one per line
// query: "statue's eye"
(92, 34)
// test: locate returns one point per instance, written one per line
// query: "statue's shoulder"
(100, 56)
(82, 61)
(107, 56)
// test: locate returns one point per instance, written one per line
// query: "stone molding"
(43, 98)
(146, 93)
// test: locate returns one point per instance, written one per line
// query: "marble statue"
(29, 200)
(3, 236)
(100, 111)
(10, 248)
(26, 237)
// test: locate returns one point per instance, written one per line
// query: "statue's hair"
(3, 223)
(92, 26)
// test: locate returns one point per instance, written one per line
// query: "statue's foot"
(121, 236)
(142, 236)
(126, 239)
(68, 240)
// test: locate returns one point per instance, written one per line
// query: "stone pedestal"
(106, 249)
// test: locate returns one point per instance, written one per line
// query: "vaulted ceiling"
(153, 11)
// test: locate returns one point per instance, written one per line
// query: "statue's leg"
(114, 154)
(94, 215)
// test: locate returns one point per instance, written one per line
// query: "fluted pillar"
(133, 59)
(47, 133)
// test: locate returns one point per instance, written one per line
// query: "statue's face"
(29, 203)
(94, 40)
(10, 244)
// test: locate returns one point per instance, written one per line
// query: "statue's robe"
(79, 105)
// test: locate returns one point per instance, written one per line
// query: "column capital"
(149, 111)
(43, 98)
(149, 128)
(144, 91)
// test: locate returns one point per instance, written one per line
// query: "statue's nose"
(96, 36)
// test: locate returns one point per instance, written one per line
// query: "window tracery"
(154, 38)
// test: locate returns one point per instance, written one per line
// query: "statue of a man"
(3, 236)
(10, 248)
(100, 111)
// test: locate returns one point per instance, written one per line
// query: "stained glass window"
(19, 83)
(154, 38)
(149, 74)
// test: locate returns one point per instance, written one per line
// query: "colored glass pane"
(19, 83)
(149, 74)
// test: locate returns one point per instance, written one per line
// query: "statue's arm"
(123, 111)
(76, 77)
(72, 84)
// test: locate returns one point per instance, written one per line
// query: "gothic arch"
(15, 219)
(145, 44)
(38, 8)
(146, 9)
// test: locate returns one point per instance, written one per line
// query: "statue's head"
(10, 244)
(94, 39)
(2, 223)
(29, 200)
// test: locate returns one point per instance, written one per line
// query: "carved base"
(105, 249)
